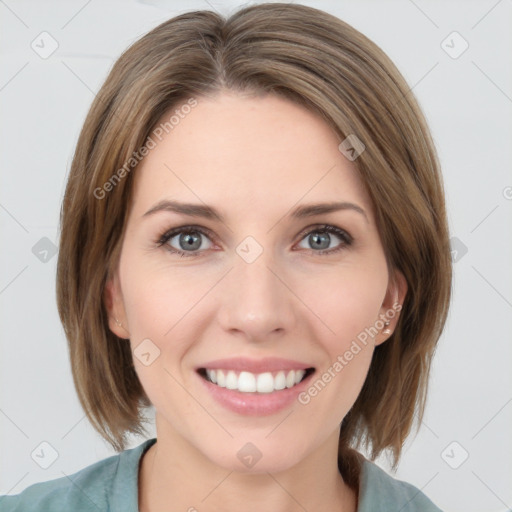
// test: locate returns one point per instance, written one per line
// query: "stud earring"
(386, 331)
(120, 325)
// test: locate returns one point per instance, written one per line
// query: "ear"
(391, 306)
(113, 299)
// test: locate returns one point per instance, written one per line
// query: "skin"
(254, 159)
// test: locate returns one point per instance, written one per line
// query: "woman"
(254, 241)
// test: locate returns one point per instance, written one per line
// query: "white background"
(468, 103)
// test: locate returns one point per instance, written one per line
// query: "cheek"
(158, 304)
(348, 305)
(163, 304)
(157, 295)
(348, 301)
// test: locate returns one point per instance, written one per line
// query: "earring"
(120, 325)
(386, 331)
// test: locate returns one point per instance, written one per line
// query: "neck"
(173, 473)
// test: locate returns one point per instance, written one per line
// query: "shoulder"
(380, 491)
(93, 488)
(86, 489)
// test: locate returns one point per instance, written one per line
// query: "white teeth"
(279, 381)
(265, 383)
(231, 380)
(248, 382)
(221, 379)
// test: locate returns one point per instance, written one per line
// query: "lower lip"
(255, 404)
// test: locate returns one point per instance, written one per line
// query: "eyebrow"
(208, 212)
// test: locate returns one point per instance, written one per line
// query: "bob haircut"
(319, 62)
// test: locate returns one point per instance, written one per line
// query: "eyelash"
(324, 228)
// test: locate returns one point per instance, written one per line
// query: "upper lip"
(267, 364)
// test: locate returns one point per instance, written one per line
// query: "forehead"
(236, 151)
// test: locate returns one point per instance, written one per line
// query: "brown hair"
(318, 61)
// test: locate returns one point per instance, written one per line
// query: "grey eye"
(320, 239)
(188, 240)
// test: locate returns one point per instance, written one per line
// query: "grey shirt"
(112, 485)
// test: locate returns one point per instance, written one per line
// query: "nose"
(256, 301)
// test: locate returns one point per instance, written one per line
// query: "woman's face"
(262, 285)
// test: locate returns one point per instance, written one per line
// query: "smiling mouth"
(248, 382)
